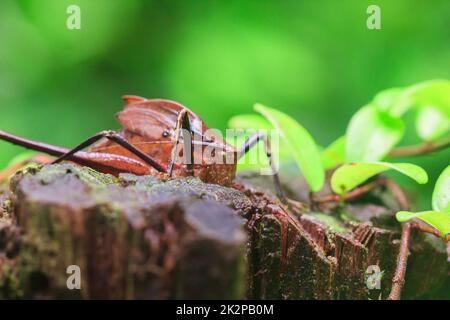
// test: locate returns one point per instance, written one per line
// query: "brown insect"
(156, 134)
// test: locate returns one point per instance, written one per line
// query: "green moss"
(332, 223)
(128, 179)
(29, 168)
(91, 177)
(6, 207)
(9, 282)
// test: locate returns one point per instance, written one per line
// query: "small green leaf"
(256, 157)
(434, 93)
(431, 123)
(397, 101)
(348, 176)
(334, 154)
(249, 121)
(441, 193)
(392, 101)
(300, 143)
(371, 134)
(438, 220)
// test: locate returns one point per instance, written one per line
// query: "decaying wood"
(140, 237)
(342, 251)
(132, 237)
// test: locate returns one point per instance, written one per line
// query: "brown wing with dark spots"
(154, 118)
(149, 124)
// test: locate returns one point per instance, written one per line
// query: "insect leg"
(32, 145)
(252, 142)
(113, 136)
(184, 126)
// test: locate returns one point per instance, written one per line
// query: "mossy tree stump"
(132, 237)
(143, 238)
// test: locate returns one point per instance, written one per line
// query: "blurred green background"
(315, 60)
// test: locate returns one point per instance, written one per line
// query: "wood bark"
(143, 238)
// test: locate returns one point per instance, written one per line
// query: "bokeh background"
(315, 60)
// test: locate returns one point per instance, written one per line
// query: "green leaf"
(300, 143)
(434, 93)
(441, 193)
(252, 160)
(249, 121)
(397, 101)
(392, 101)
(256, 157)
(348, 176)
(371, 134)
(334, 154)
(438, 220)
(431, 123)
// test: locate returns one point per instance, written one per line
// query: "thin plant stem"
(355, 193)
(425, 228)
(402, 260)
(420, 149)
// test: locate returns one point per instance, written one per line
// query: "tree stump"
(132, 237)
(331, 254)
(144, 238)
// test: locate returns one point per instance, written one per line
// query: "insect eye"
(165, 133)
